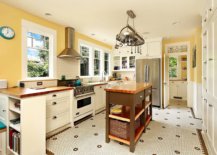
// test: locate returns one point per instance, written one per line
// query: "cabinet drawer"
(57, 95)
(139, 97)
(57, 106)
(57, 121)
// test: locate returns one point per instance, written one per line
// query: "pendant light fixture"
(129, 37)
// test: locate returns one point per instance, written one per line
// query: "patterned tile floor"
(172, 131)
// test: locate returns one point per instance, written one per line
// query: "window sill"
(38, 79)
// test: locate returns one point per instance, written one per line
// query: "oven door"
(83, 106)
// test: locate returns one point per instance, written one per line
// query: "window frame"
(28, 26)
(91, 57)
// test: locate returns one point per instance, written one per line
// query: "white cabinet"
(178, 89)
(3, 108)
(58, 110)
(99, 98)
(151, 48)
(209, 81)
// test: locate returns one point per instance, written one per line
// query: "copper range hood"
(69, 51)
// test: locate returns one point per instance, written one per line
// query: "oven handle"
(88, 94)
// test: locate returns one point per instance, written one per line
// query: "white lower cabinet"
(58, 110)
(178, 89)
(210, 124)
(100, 98)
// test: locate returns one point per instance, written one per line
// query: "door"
(166, 80)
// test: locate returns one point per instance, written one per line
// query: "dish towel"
(2, 125)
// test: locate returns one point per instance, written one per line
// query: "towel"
(2, 125)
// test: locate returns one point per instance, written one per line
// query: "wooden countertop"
(27, 92)
(129, 87)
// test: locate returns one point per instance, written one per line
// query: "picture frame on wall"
(194, 57)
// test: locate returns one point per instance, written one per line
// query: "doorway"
(176, 73)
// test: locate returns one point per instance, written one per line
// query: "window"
(94, 61)
(38, 51)
(106, 63)
(173, 65)
(85, 61)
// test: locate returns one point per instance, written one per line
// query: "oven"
(83, 105)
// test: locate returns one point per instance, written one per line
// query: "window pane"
(106, 56)
(172, 62)
(97, 54)
(172, 72)
(84, 51)
(96, 66)
(84, 66)
(37, 63)
(29, 42)
(106, 67)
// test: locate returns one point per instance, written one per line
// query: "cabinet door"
(215, 128)
(204, 115)
(214, 61)
(3, 107)
(210, 121)
(99, 100)
(173, 90)
(210, 59)
(154, 49)
(182, 90)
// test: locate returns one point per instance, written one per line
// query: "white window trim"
(91, 65)
(33, 27)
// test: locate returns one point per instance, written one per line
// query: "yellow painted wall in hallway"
(10, 50)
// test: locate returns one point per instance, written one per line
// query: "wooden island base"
(128, 126)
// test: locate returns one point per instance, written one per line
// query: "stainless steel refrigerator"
(149, 70)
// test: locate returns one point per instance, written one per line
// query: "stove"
(83, 98)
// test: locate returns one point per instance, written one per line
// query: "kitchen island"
(135, 100)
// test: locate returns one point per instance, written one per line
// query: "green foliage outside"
(173, 65)
(41, 68)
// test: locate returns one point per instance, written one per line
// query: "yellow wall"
(10, 50)
(198, 69)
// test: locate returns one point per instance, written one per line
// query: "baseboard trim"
(202, 143)
(192, 112)
(207, 143)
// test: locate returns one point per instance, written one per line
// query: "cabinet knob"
(204, 20)
(210, 9)
(54, 103)
(210, 59)
(210, 105)
(55, 117)
(3, 110)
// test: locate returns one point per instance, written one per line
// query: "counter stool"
(3, 130)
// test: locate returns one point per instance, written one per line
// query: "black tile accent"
(75, 149)
(191, 123)
(178, 136)
(148, 129)
(95, 134)
(54, 138)
(160, 138)
(165, 119)
(93, 126)
(178, 125)
(76, 127)
(121, 143)
(177, 152)
(99, 146)
(178, 117)
(196, 148)
(76, 136)
(194, 134)
(141, 140)
(163, 127)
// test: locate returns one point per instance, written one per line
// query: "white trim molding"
(33, 27)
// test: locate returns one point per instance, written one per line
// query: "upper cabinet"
(152, 49)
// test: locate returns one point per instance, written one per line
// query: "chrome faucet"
(103, 76)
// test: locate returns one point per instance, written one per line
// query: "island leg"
(132, 127)
(107, 118)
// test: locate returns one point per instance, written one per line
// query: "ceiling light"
(128, 35)
(48, 14)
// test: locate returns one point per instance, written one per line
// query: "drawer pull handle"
(54, 103)
(210, 105)
(210, 59)
(210, 9)
(54, 117)
(54, 95)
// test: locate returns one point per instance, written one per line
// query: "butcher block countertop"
(129, 87)
(28, 92)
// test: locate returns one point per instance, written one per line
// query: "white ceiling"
(105, 18)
